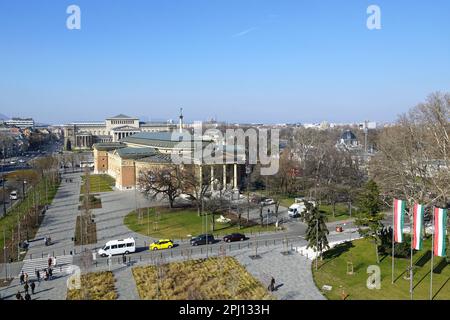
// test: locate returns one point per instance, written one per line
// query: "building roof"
(121, 116)
(348, 135)
(164, 139)
(108, 146)
(135, 153)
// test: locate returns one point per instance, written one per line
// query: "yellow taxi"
(161, 244)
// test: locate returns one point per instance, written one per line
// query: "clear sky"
(237, 60)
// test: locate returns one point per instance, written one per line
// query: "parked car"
(161, 244)
(115, 247)
(13, 195)
(234, 237)
(268, 202)
(202, 239)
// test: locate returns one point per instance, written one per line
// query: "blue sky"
(237, 60)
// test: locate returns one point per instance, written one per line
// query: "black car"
(234, 237)
(202, 239)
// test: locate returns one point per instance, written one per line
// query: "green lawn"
(341, 212)
(178, 224)
(99, 183)
(333, 271)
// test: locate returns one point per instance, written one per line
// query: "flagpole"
(411, 272)
(393, 243)
(432, 257)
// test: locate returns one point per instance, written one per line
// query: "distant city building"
(83, 135)
(21, 122)
(348, 139)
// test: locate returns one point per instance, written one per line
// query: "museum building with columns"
(125, 160)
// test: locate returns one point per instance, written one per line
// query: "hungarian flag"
(440, 228)
(399, 217)
(417, 226)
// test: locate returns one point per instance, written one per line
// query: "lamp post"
(3, 183)
(23, 188)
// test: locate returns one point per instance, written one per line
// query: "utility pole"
(4, 253)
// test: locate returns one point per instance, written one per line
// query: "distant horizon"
(238, 61)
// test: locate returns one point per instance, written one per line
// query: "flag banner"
(399, 217)
(417, 226)
(440, 232)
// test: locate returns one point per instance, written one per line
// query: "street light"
(23, 188)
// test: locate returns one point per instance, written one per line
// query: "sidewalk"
(59, 223)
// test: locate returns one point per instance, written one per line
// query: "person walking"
(32, 286)
(22, 278)
(272, 284)
(50, 273)
(26, 277)
(54, 261)
(49, 261)
(38, 276)
(25, 287)
(46, 275)
(19, 296)
(124, 259)
(27, 296)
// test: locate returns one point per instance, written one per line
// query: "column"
(201, 176)
(235, 177)
(212, 178)
(224, 177)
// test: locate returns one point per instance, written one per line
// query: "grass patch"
(90, 235)
(98, 183)
(95, 286)
(333, 271)
(178, 223)
(220, 278)
(94, 202)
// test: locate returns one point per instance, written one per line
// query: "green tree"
(317, 231)
(369, 221)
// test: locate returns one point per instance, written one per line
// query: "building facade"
(20, 123)
(132, 156)
(83, 135)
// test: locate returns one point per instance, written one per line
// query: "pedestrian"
(124, 259)
(25, 287)
(22, 278)
(26, 277)
(38, 276)
(272, 284)
(32, 286)
(49, 262)
(54, 261)
(27, 296)
(19, 296)
(46, 275)
(50, 273)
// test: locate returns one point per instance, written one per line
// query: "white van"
(116, 247)
(296, 210)
(13, 195)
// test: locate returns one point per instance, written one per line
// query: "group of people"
(27, 285)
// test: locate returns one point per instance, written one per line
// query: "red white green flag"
(440, 232)
(399, 217)
(417, 226)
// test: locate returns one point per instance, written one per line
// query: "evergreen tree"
(317, 231)
(369, 221)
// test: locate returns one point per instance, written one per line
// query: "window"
(130, 244)
(114, 246)
(121, 246)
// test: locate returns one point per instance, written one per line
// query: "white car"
(268, 202)
(13, 195)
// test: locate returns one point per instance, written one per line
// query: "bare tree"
(162, 181)
(413, 157)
